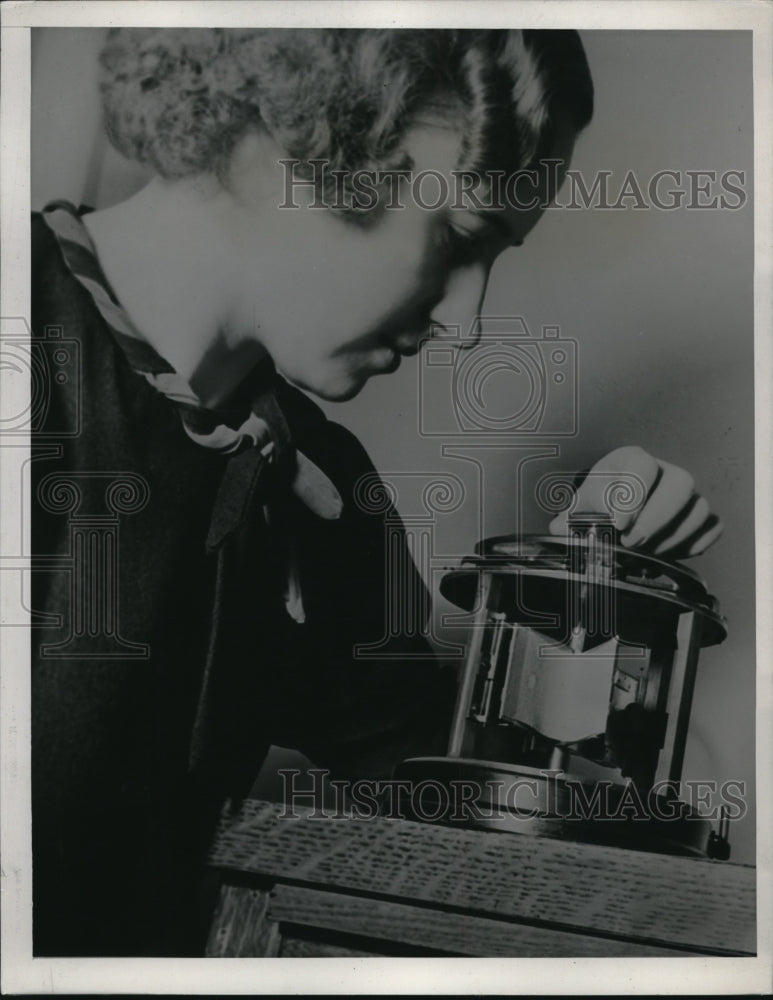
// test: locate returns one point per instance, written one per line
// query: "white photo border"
(21, 973)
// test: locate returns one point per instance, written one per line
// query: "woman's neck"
(163, 254)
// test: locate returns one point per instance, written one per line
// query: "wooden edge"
(449, 933)
(702, 906)
(241, 926)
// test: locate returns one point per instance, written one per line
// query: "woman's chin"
(343, 384)
(336, 389)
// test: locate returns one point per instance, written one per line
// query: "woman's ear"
(259, 170)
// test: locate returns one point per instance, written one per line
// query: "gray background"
(659, 302)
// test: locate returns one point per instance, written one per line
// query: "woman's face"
(335, 304)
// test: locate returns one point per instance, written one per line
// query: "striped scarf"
(252, 428)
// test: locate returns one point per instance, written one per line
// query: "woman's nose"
(460, 307)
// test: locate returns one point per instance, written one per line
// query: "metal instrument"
(574, 702)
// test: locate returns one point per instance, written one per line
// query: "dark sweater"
(134, 755)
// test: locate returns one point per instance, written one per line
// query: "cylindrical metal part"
(582, 660)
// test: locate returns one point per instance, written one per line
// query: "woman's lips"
(388, 360)
(392, 350)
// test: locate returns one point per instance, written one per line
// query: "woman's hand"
(660, 512)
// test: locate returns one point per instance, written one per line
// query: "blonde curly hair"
(180, 100)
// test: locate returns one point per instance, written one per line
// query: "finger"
(668, 499)
(618, 484)
(696, 517)
(699, 540)
(706, 539)
(560, 524)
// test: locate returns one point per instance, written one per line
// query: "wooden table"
(345, 886)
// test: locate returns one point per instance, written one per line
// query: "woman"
(218, 610)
